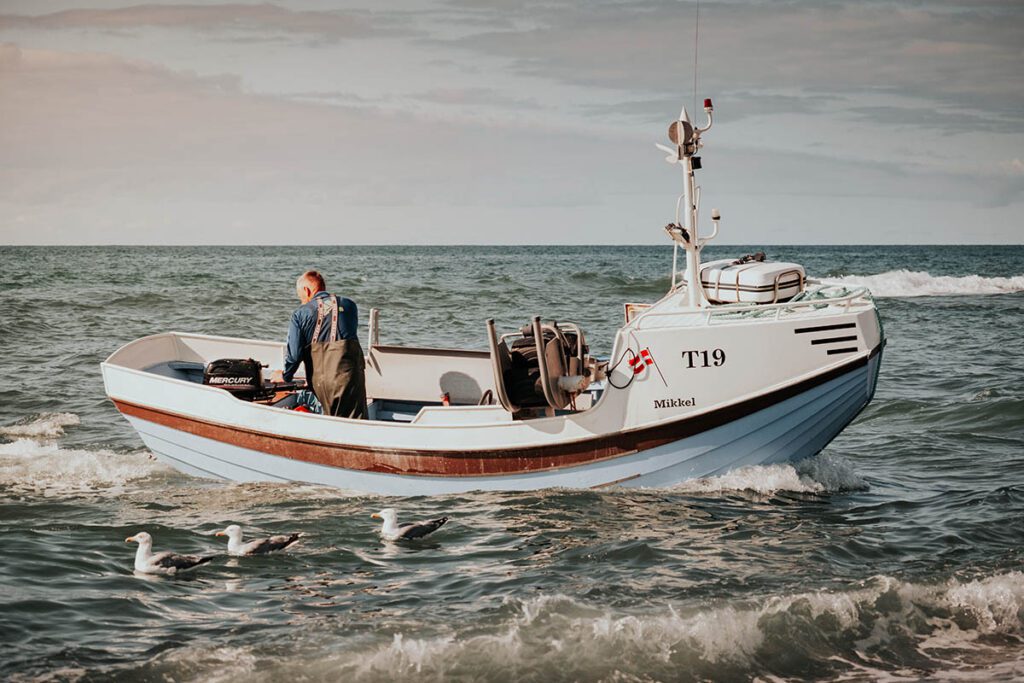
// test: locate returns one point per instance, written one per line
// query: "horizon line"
(535, 244)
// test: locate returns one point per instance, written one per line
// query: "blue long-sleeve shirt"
(300, 332)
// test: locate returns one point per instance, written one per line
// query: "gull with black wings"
(258, 546)
(165, 562)
(393, 531)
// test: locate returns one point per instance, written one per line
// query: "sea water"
(896, 554)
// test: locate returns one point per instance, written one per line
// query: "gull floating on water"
(259, 546)
(161, 563)
(392, 531)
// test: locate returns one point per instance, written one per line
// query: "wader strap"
(333, 308)
(322, 310)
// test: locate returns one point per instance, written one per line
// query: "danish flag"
(642, 361)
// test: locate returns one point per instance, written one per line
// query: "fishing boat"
(743, 361)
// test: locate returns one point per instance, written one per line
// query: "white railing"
(846, 300)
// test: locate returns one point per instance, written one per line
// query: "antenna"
(687, 140)
(696, 35)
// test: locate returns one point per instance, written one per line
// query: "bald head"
(308, 284)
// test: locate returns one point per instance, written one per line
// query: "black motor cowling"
(243, 377)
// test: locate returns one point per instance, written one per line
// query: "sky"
(508, 122)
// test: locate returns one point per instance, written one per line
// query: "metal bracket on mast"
(687, 140)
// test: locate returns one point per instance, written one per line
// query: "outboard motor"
(242, 377)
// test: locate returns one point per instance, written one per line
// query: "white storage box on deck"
(753, 282)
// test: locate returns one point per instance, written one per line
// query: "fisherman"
(322, 337)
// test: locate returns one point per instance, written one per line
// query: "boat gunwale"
(540, 422)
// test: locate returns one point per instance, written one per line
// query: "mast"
(684, 233)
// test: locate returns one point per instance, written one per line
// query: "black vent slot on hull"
(825, 328)
(833, 340)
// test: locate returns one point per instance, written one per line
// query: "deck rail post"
(374, 327)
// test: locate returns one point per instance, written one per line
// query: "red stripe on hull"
(476, 463)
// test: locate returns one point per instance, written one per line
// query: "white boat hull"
(789, 430)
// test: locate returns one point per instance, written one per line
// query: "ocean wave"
(822, 473)
(909, 283)
(28, 465)
(142, 298)
(42, 426)
(880, 625)
(569, 636)
(621, 283)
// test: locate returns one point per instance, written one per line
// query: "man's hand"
(277, 376)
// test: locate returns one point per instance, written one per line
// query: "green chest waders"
(339, 369)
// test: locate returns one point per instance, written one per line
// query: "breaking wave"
(879, 626)
(821, 474)
(42, 426)
(909, 283)
(27, 465)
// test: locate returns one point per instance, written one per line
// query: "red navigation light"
(707, 103)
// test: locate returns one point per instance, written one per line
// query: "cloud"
(474, 97)
(90, 133)
(264, 21)
(342, 97)
(956, 54)
(739, 104)
(112, 150)
(936, 119)
(62, 66)
(1006, 187)
(141, 126)
(642, 110)
(456, 115)
(1005, 193)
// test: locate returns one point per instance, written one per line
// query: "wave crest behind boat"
(33, 466)
(41, 426)
(909, 283)
(823, 473)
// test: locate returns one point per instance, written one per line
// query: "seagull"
(260, 546)
(391, 531)
(161, 563)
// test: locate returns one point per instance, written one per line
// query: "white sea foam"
(996, 603)
(30, 465)
(556, 636)
(62, 674)
(42, 426)
(763, 479)
(563, 633)
(822, 473)
(908, 283)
